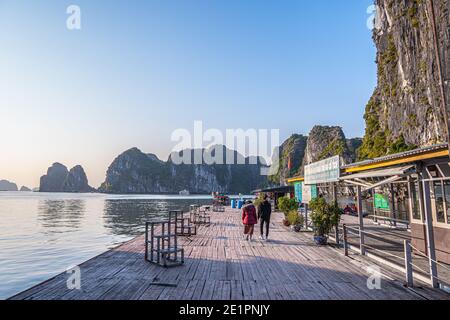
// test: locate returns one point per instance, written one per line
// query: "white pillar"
(361, 220)
(429, 230)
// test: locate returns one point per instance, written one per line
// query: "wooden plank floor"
(221, 265)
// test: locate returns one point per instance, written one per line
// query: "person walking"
(249, 219)
(264, 213)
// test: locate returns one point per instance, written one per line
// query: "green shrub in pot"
(324, 217)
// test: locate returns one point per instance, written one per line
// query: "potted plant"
(286, 205)
(299, 223)
(294, 220)
(291, 218)
(324, 217)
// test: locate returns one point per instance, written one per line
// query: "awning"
(390, 175)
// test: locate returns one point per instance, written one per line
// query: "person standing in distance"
(264, 213)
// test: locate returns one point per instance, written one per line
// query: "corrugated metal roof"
(405, 154)
(380, 173)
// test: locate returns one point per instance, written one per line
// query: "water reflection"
(59, 216)
(128, 217)
(42, 234)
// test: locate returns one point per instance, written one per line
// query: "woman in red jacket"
(249, 219)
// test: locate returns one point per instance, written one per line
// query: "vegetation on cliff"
(404, 111)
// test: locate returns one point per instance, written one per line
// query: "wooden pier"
(221, 265)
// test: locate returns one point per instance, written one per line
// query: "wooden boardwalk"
(221, 265)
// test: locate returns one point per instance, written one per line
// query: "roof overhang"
(295, 179)
(375, 178)
(426, 153)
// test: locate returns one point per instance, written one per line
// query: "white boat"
(184, 193)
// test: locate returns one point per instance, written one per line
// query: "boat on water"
(221, 199)
(184, 193)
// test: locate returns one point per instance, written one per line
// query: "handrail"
(407, 259)
(369, 234)
(420, 269)
(389, 219)
(385, 252)
(438, 263)
(379, 236)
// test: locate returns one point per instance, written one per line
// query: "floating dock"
(221, 265)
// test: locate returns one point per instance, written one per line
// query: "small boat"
(184, 193)
(220, 199)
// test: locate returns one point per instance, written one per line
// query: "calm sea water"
(43, 234)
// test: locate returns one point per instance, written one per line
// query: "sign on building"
(381, 202)
(309, 192)
(324, 171)
(298, 191)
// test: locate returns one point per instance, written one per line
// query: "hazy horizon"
(136, 72)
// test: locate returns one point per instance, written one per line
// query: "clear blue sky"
(137, 70)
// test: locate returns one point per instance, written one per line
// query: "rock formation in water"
(405, 110)
(25, 189)
(136, 172)
(53, 181)
(76, 181)
(321, 143)
(6, 185)
(59, 179)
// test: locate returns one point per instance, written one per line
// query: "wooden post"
(152, 234)
(335, 199)
(337, 235)
(146, 241)
(361, 220)
(392, 205)
(408, 263)
(345, 240)
(306, 216)
(429, 230)
(375, 213)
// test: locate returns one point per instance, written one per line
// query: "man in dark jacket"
(264, 212)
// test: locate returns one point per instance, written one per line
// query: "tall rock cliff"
(321, 143)
(291, 154)
(405, 110)
(59, 179)
(136, 172)
(325, 142)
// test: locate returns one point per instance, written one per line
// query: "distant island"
(136, 172)
(60, 179)
(139, 173)
(6, 185)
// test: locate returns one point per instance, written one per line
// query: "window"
(414, 187)
(447, 199)
(439, 201)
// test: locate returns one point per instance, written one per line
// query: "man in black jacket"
(264, 212)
